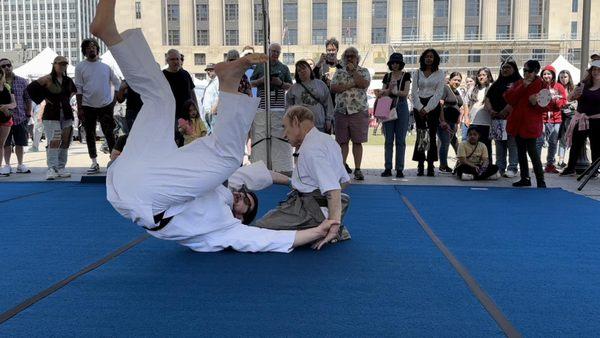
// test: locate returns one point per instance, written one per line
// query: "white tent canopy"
(109, 60)
(562, 64)
(40, 65)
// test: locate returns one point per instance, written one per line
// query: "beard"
(92, 55)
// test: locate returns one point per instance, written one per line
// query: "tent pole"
(267, 81)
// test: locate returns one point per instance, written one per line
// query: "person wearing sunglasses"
(525, 122)
(178, 193)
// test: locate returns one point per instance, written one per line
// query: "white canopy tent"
(563, 64)
(109, 60)
(40, 65)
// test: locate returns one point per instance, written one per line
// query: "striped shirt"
(19, 86)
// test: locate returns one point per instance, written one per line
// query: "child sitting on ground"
(473, 159)
(193, 128)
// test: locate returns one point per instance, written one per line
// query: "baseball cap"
(210, 66)
(61, 59)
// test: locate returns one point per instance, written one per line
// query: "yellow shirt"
(198, 130)
(476, 154)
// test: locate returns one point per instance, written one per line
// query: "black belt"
(162, 222)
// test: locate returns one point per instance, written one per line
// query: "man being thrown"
(177, 193)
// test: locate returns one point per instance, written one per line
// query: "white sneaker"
(466, 177)
(33, 149)
(494, 177)
(51, 174)
(61, 173)
(5, 171)
(510, 174)
(93, 169)
(23, 169)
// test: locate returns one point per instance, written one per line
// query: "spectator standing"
(479, 115)
(56, 91)
(565, 78)
(281, 80)
(133, 104)
(245, 51)
(38, 127)
(192, 128)
(525, 122)
(245, 86)
(452, 104)
(427, 91)
(552, 118)
(351, 117)
(464, 117)
(182, 87)
(7, 104)
(20, 117)
(96, 83)
(499, 111)
(328, 64)
(396, 85)
(313, 94)
(210, 97)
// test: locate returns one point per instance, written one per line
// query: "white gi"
(152, 175)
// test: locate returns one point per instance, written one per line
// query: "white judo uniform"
(152, 175)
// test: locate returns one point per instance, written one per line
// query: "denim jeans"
(550, 135)
(447, 139)
(502, 147)
(396, 130)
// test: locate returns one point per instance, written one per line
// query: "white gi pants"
(152, 175)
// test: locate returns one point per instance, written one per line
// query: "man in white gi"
(177, 193)
(317, 180)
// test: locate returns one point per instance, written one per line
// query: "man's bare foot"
(230, 73)
(103, 26)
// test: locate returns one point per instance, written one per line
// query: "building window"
(319, 12)
(506, 54)
(380, 10)
(202, 38)
(411, 57)
(231, 12)
(574, 55)
(289, 58)
(349, 10)
(319, 36)
(503, 32)
(410, 33)
(573, 29)
(474, 56)
(379, 35)
(473, 7)
(538, 54)
(258, 12)
(349, 36)
(440, 8)
(290, 11)
(471, 32)
(173, 12)
(290, 37)
(535, 31)
(575, 6)
(504, 7)
(138, 9)
(410, 8)
(231, 37)
(202, 12)
(440, 33)
(200, 76)
(173, 37)
(199, 59)
(444, 56)
(536, 7)
(258, 37)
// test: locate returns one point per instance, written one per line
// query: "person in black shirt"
(133, 105)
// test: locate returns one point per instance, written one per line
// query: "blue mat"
(534, 251)
(49, 236)
(388, 281)
(10, 191)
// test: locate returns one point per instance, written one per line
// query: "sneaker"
(348, 170)
(358, 175)
(61, 173)
(5, 171)
(399, 174)
(524, 182)
(494, 177)
(568, 172)
(467, 177)
(386, 173)
(550, 169)
(562, 165)
(541, 184)
(93, 169)
(33, 149)
(509, 174)
(445, 169)
(22, 169)
(51, 174)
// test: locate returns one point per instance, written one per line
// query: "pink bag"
(383, 106)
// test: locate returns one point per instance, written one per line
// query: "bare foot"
(103, 26)
(230, 73)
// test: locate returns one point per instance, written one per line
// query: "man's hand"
(350, 67)
(423, 112)
(533, 99)
(334, 229)
(276, 81)
(328, 127)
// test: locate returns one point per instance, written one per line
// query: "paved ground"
(372, 164)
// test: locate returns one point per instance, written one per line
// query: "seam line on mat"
(486, 301)
(34, 193)
(57, 286)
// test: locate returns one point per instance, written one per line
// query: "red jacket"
(559, 99)
(525, 120)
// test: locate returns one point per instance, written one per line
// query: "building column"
(304, 22)
(186, 23)
(364, 23)
(334, 19)
(276, 16)
(457, 19)
(426, 20)
(245, 24)
(521, 19)
(490, 19)
(215, 12)
(395, 20)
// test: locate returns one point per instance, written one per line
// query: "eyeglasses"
(8, 65)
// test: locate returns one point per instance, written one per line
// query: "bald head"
(274, 52)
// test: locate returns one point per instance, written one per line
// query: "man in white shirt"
(317, 180)
(96, 84)
(177, 193)
(210, 97)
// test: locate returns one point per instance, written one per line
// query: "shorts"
(18, 135)
(354, 127)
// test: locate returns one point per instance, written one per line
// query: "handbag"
(498, 130)
(383, 107)
(423, 141)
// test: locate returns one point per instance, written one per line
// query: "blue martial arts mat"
(389, 280)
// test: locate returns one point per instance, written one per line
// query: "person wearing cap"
(525, 121)
(210, 97)
(178, 193)
(396, 85)
(20, 115)
(56, 89)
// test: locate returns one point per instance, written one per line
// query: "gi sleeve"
(255, 176)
